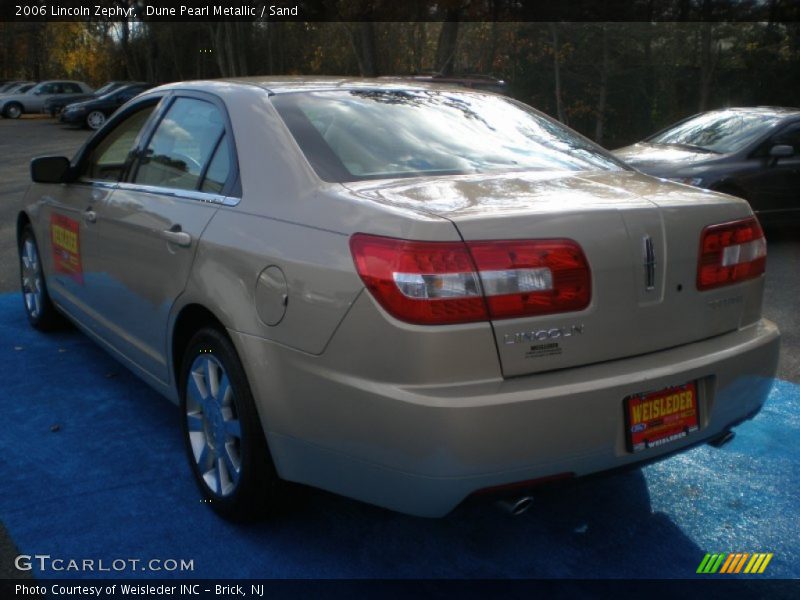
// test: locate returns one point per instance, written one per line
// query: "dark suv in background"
(753, 153)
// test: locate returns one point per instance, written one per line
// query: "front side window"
(107, 161)
(789, 137)
(45, 88)
(374, 134)
(181, 145)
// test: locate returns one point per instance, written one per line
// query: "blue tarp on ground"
(112, 483)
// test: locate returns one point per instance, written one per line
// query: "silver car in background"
(13, 106)
(19, 87)
(398, 292)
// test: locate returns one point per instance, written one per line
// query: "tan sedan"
(398, 292)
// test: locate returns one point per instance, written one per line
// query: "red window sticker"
(66, 243)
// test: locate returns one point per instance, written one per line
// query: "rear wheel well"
(22, 221)
(191, 319)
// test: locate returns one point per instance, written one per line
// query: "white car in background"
(19, 87)
(13, 106)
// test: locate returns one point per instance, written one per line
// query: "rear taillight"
(536, 277)
(731, 252)
(457, 282)
(420, 282)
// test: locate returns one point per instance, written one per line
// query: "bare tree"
(708, 63)
(557, 71)
(603, 91)
(448, 42)
(362, 40)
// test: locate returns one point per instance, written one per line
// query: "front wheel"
(223, 435)
(95, 119)
(40, 310)
(13, 110)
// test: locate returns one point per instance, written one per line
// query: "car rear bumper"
(422, 450)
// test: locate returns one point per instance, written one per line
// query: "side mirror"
(781, 151)
(50, 169)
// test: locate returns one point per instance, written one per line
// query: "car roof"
(774, 111)
(289, 84)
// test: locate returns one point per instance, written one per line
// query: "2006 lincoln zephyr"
(399, 293)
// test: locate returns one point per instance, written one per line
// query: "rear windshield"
(375, 134)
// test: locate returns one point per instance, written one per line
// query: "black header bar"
(401, 10)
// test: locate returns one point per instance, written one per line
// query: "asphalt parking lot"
(742, 495)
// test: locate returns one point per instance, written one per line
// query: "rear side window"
(182, 145)
(218, 169)
(71, 88)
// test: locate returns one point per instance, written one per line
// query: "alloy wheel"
(13, 111)
(95, 119)
(214, 429)
(31, 278)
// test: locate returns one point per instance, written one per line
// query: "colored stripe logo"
(735, 562)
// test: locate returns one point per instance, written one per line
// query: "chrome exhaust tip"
(516, 506)
(722, 439)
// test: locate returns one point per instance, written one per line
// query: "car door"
(775, 187)
(36, 101)
(69, 216)
(151, 224)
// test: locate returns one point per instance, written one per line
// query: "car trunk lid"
(641, 238)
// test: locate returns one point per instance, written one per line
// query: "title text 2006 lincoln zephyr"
(400, 293)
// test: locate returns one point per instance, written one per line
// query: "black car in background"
(92, 113)
(753, 153)
(54, 106)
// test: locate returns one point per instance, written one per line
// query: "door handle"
(176, 236)
(90, 216)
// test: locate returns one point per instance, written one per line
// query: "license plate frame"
(661, 417)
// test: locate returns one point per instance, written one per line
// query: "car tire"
(95, 119)
(222, 433)
(13, 110)
(42, 314)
